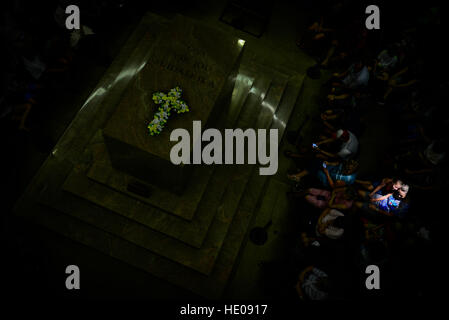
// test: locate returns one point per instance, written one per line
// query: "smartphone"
(314, 145)
(324, 165)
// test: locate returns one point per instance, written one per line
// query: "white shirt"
(432, 156)
(349, 147)
(310, 285)
(356, 79)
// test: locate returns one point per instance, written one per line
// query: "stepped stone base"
(191, 239)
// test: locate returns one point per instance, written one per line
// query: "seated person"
(398, 80)
(313, 284)
(348, 118)
(329, 224)
(392, 204)
(386, 186)
(426, 170)
(339, 198)
(316, 39)
(432, 156)
(356, 76)
(386, 59)
(330, 173)
(347, 146)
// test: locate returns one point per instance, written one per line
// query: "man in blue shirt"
(391, 204)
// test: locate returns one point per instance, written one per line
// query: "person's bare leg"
(365, 184)
(387, 93)
(329, 54)
(296, 177)
(362, 193)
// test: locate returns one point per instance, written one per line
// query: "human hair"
(350, 166)
(405, 188)
(339, 222)
(350, 193)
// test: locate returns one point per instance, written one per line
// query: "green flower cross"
(167, 102)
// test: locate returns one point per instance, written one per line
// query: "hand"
(314, 27)
(323, 116)
(314, 145)
(331, 97)
(336, 74)
(319, 36)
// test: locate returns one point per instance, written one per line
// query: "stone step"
(245, 80)
(256, 190)
(209, 286)
(192, 234)
(202, 259)
(156, 241)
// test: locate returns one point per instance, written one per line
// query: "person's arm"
(331, 203)
(380, 186)
(341, 75)
(340, 97)
(338, 206)
(329, 126)
(304, 273)
(330, 155)
(299, 290)
(397, 74)
(329, 179)
(322, 226)
(376, 209)
(381, 198)
(364, 182)
(383, 76)
(325, 141)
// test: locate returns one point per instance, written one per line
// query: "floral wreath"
(167, 103)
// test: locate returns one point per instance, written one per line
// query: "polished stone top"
(194, 57)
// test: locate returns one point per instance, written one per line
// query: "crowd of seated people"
(389, 210)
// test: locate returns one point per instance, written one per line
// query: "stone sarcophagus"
(203, 62)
